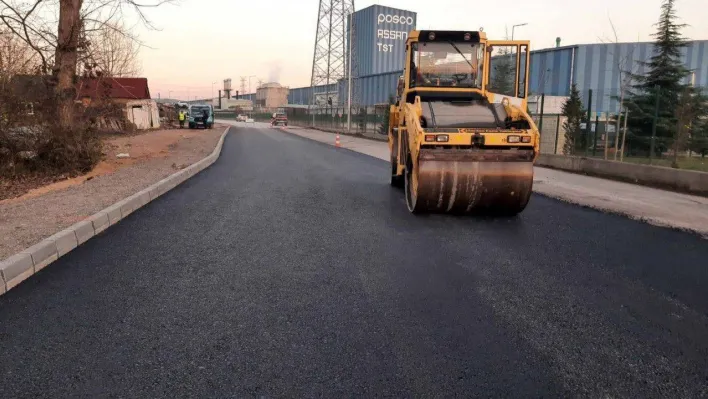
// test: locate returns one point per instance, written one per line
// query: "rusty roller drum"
(470, 181)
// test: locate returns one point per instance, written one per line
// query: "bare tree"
(625, 64)
(66, 58)
(113, 52)
(16, 57)
(59, 43)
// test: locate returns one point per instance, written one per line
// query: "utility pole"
(249, 83)
(329, 56)
(243, 85)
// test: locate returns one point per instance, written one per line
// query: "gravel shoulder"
(154, 155)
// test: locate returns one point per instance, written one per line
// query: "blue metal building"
(379, 39)
(590, 66)
(597, 67)
(379, 34)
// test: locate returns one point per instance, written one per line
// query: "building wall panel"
(380, 35)
(592, 66)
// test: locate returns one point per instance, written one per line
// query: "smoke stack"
(558, 42)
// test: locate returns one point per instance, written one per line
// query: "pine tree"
(383, 127)
(573, 112)
(665, 71)
(698, 141)
(503, 73)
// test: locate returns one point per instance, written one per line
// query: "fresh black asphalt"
(290, 268)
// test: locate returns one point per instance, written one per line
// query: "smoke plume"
(274, 72)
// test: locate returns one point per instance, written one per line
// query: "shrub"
(32, 144)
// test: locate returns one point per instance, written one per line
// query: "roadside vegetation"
(667, 115)
(46, 132)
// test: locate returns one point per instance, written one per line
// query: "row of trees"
(665, 90)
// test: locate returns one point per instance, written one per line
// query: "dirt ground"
(45, 210)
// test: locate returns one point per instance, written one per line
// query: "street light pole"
(514, 27)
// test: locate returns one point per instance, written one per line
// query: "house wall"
(143, 113)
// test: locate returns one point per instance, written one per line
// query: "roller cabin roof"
(446, 36)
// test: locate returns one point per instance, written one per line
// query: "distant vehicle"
(242, 118)
(196, 117)
(279, 118)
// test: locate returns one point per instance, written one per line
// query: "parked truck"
(196, 116)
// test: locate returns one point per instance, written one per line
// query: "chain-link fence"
(365, 121)
(605, 138)
(550, 126)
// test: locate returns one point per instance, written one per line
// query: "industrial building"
(271, 96)
(378, 52)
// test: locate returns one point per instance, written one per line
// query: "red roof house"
(127, 89)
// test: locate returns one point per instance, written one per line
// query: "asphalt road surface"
(291, 269)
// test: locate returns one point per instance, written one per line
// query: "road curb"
(24, 264)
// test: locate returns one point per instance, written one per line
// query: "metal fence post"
(588, 121)
(594, 135)
(607, 134)
(653, 125)
(558, 124)
(540, 117)
(624, 133)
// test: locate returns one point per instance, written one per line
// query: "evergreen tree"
(383, 127)
(503, 72)
(698, 141)
(574, 113)
(665, 71)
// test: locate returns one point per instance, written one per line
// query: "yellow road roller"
(460, 136)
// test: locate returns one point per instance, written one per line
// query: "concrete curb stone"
(43, 253)
(143, 198)
(84, 231)
(114, 214)
(127, 206)
(136, 202)
(154, 192)
(24, 264)
(66, 241)
(16, 269)
(180, 177)
(100, 222)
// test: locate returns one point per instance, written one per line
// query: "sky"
(199, 43)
